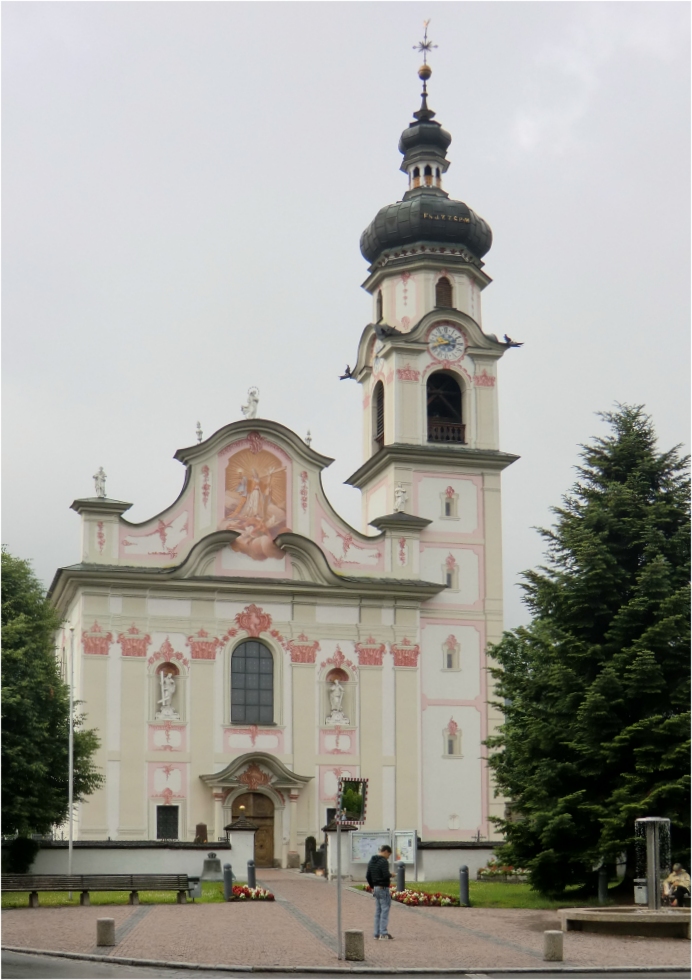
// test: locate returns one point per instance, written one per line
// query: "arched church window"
(252, 684)
(378, 420)
(416, 172)
(444, 409)
(443, 292)
(427, 175)
(379, 306)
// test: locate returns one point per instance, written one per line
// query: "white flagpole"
(71, 757)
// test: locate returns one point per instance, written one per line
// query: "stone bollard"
(227, 883)
(105, 932)
(354, 945)
(464, 886)
(552, 944)
(251, 874)
(400, 876)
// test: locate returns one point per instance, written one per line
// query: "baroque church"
(246, 647)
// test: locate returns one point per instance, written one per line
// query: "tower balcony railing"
(446, 432)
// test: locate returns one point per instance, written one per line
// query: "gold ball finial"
(424, 72)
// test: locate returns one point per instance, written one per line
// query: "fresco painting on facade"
(134, 643)
(162, 541)
(203, 646)
(370, 653)
(255, 502)
(96, 642)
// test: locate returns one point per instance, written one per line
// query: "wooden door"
(258, 809)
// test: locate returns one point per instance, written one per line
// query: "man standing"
(378, 877)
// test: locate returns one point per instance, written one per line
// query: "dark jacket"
(378, 872)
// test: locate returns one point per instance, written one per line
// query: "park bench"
(96, 883)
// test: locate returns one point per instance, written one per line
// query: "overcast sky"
(184, 189)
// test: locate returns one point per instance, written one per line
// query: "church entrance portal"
(259, 809)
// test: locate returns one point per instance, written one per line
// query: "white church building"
(247, 647)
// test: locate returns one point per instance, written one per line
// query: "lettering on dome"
(446, 217)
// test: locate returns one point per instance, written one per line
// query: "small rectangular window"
(450, 579)
(448, 508)
(450, 660)
(167, 823)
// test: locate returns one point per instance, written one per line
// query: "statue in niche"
(167, 688)
(336, 698)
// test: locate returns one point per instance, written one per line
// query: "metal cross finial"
(199, 432)
(308, 438)
(425, 45)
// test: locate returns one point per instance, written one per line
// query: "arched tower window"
(427, 175)
(443, 293)
(379, 306)
(252, 684)
(444, 409)
(378, 416)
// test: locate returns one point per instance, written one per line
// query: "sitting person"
(676, 886)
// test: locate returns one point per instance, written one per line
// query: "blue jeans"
(383, 903)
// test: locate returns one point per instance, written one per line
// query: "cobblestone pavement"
(299, 930)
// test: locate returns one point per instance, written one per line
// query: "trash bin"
(641, 892)
(195, 887)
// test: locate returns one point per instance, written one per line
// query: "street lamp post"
(70, 790)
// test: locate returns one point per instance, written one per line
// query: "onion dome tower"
(426, 219)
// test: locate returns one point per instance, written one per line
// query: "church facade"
(247, 647)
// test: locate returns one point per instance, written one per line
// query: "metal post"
(464, 885)
(603, 886)
(227, 882)
(400, 876)
(653, 870)
(339, 946)
(251, 875)
(70, 752)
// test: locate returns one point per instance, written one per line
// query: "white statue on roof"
(100, 482)
(250, 410)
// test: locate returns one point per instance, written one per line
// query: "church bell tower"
(431, 446)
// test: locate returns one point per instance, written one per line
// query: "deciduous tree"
(35, 711)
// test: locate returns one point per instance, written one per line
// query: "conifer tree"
(35, 712)
(596, 689)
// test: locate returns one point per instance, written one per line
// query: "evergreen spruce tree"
(35, 712)
(596, 689)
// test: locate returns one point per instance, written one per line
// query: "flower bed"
(413, 898)
(494, 871)
(241, 893)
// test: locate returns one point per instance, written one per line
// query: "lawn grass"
(212, 891)
(499, 895)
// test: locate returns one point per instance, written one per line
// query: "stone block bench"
(96, 883)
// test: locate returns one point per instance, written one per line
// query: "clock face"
(446, 343)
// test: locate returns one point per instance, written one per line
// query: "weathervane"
(424, 72)
(425, 45)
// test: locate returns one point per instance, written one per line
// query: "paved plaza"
(299, 930)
